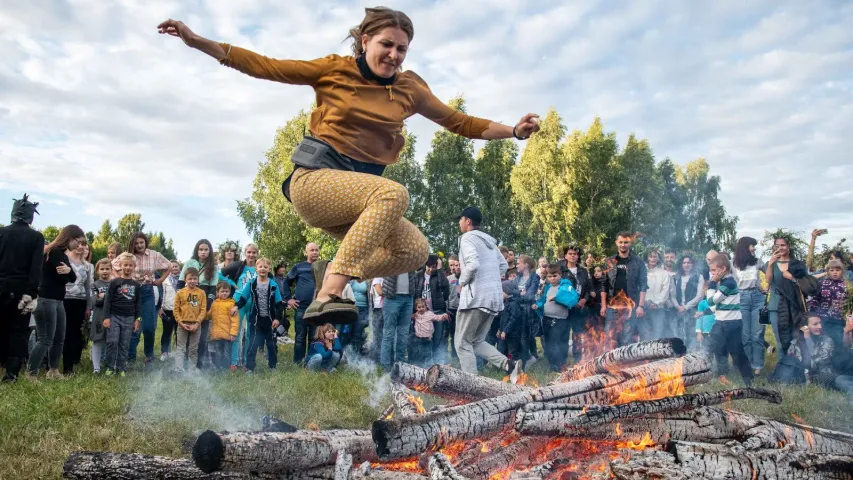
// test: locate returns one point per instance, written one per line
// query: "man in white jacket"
(480, 295)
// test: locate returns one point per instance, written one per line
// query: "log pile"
(625, 414)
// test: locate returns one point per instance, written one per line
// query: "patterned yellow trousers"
(365, 212)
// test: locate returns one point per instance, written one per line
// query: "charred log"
(441, 469)
(504, 458)
(387, 413)
(278, 452)
(452, 383)
(409, 375)
(569, 420)
(132, 466)
(618, 358)
(708, 461)
(403, 404)
(408, 437)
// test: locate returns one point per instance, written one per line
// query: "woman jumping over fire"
(356, 131)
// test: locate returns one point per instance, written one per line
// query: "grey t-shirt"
(402, 284)
(552, 308)
(264, 299)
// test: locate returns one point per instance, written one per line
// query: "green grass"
(40, 424)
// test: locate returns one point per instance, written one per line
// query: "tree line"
(563, 187)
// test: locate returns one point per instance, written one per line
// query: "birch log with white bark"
(409, 375)
(137, 466)
(618, 358)
(408, 437)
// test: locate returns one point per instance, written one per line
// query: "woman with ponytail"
(355, 132)
(50, 311)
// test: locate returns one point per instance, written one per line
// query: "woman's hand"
(233, 311)
(528, 125)
(62, 269)
(788, 275)
(773, 258)
(818, 232)
(176, 28)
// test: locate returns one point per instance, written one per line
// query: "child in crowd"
(727, 332)
(265, 313)
(223, 326)
(167, 312)
(828, 301)
(326, 350)
(424, 329)
(190, 311)
(704, 324)
(97, 332)
(557, 299)
(122, 313)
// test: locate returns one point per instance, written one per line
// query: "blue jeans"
(751, 302)
(304, 333)
(439, 341)
(833, 329)
(774, 323)
(621, 328)
(316, 362)
(240, 345)
(377, 324)
(398, 318)
(149, 324)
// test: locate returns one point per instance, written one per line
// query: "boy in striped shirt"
(727, 332)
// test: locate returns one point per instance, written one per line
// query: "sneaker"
(285, 341)
(249, 372)
(109, 373)
(149, 364)
(96, 372)
(333, 370)
(530, 362)
(54, 374)
(164, 356)
(31, 378)
(122, 374)
(233, 368)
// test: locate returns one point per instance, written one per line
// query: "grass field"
(40, 424)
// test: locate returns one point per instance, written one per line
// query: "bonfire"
(625, 414)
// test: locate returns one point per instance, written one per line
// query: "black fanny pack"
(314, 154)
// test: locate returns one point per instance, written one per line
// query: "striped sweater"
(725, 296)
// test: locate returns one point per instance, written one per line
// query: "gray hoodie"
(482, 266)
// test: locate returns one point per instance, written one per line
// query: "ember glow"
(669, 383)
(644, 443)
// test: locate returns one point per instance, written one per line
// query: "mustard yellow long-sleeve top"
(360, 118)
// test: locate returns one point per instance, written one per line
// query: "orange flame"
(622, 302)
(725, 381)
(797, 418)
(669, 383)
(401, 466)
(645, 443)
(808, 434)
(418, 402)
(523, 379)
(618, 429)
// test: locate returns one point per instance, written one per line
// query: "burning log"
(572, 421)
(616, 359)
(278, 452)
(454, 384)
(132, 466)
(708, 461)
(441, 469)
(408, 437)
(409, 375)
(502, 459)
(387, 413)
(405, 404)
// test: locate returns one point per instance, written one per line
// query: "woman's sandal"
(335, 310)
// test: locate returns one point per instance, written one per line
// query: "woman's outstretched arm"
(176, 28)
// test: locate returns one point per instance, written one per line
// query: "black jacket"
(276, 308)
(21, 258)
(637, 278)
(233, 271)
(389, 285)
(439, 289)
(582, 281)
(690, 290)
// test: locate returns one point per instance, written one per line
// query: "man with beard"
(669, 261)
(626, 274)
(453, 299)
(21, 257)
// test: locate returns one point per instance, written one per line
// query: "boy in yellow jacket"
(190, 310)
(223, 326)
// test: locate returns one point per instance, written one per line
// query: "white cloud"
(97, 110)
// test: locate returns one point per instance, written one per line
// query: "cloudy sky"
(101, 116)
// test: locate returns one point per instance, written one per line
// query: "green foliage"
(449, 172)
(409, 173)
(268, 216)
(127, 226)
(50, 233)
(220, 249)
(493, 191)
(821, 258)
(797, 246)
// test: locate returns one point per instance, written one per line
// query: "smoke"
(378, 385)
(192, 399)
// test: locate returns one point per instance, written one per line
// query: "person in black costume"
(21, 256)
